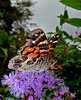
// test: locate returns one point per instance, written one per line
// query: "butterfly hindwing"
(36, 51)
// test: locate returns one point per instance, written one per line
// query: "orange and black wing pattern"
(37, 44)
(52, 44)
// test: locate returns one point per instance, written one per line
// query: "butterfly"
(36, 53)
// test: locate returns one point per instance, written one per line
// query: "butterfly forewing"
(36, 38)
(52, 44)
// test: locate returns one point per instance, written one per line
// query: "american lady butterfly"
(36, 54)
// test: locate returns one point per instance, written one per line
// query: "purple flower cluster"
(32, 84)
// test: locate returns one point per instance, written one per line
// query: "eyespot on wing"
(16, 61)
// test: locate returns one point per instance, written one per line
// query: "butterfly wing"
(52, 44)
(34, 55)
(36, 38)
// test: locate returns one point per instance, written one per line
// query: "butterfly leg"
(59, 67)
(52, 66)
(54, 63)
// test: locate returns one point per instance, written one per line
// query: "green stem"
(63, 15)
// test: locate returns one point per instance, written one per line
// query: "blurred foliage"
(14, 26)
(69, 57)
(15, 19)
(13, 34)
(68, 50)
(5, 54)
(14, 22)
(5, 40)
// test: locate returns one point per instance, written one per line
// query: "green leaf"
(6, 89)
(3, 37)
(66, 14)
(65, 64)
(11, 37)
(61, 45)
(76, 4)
(77, 40)
(57, 29)
(71, 51)
(11, 43)
(1, 14)
(61, 19)
(67, 35)
(72, 56)
(5, 51)
(74, 21)
(50, 33)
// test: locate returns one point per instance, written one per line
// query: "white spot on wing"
(33, 41)
(43, 42)
(55, 41)
(50, 40)
(36, 34)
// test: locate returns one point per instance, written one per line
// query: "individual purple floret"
(33, 84)
(62, 92)
(72, 96)
(30, 98)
